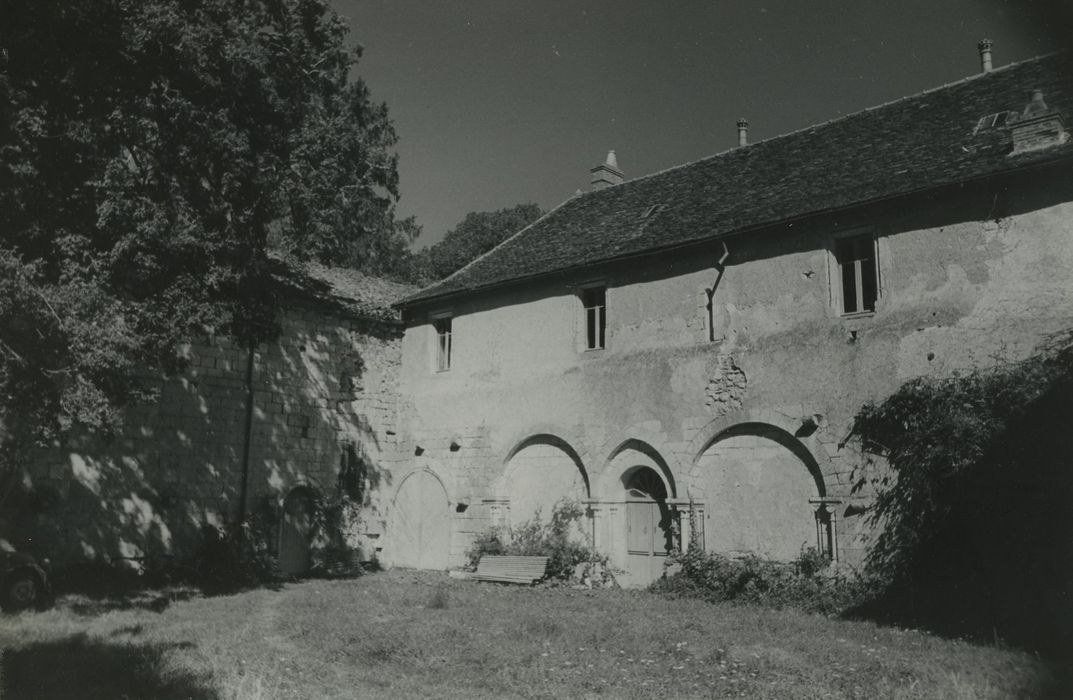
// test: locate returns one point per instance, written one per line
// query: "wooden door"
(648, 526)
(295, 532)
(420, 529)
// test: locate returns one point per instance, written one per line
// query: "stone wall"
(327, 383)
(968, 277)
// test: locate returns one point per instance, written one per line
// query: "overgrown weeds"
(559, 539)
(808, 583)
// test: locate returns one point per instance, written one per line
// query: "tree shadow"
(78, 667)
(321, 400)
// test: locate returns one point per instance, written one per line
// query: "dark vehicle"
(23, 582)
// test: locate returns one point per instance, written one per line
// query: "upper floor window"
(594, 300)
(858, 274)
(443, 343)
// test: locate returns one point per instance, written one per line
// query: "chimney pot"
(985, 55)
(743, 131)
(607, 174)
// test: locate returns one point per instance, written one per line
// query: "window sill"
(857, 314)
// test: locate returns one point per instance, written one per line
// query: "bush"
(555, 539)
(807, 583)
(975, 516)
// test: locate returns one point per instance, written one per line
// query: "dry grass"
(418, 635)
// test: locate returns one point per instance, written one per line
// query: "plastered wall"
(969, 277)
(327, 382)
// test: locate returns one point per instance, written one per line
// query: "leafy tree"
(150, 153)
(478, 233)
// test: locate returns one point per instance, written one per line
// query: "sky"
(501, 102)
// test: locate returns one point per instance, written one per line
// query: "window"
(857, 273)
(594, 299)
(443, 343)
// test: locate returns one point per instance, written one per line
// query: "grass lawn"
(422, 635)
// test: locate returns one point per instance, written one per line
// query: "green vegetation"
(807, 584)
(417, 635)
(152, 152)
(478, 233)
(974, 490)
(558, 539)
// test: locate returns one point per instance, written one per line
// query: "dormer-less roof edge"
(420, 299)
(918, 142)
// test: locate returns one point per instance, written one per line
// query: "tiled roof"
(344, 290)
(916, 143)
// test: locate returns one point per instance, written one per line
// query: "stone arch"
(630, 453)
(817, 462)
(419, 522)
(758, 483)
(539, 471)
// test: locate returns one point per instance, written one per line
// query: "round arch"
(780, 427)
(419, 522)
(758, 482)
(628, 454)
(538, 471)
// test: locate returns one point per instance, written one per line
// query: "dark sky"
(499, 102)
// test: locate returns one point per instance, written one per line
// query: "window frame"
(836, 275)
(443, 335)
(599, 333)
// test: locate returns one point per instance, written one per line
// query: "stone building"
(323, 400)
(703, 337)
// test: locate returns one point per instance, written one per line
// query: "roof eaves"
(417, 299)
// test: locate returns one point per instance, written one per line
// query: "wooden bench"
(506, 569)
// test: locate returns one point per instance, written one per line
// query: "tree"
(150, 150)
(478, 233)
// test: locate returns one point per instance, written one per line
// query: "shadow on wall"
(982, 546)
(322, 400)
(91, 669)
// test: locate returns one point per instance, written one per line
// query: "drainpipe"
(244, 484)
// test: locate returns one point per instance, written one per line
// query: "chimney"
(1037, 127)
(985, 55)
(607, 174)
(743, 131)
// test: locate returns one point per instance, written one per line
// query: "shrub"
(556, 539)
(975, 516)
(807, 583)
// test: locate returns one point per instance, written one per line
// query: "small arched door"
(649, 531)
(296, 532)
(420, 528)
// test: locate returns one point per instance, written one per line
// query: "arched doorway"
(649, 525)
(757, 482)
(420, 528)
(296, 531)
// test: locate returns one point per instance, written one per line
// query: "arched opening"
(296, 531)
(650, 527)
(420, 528)
(540, 472)
(758, 481)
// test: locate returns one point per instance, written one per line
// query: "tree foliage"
(151, 152)
(975, 516)
(478, 233)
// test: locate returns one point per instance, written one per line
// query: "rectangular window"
(858, 273)
(594, 299)
(443, 343)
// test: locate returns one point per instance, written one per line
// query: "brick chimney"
(743, 131)
(985, 55)
(1037, 127)
(607, 174)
